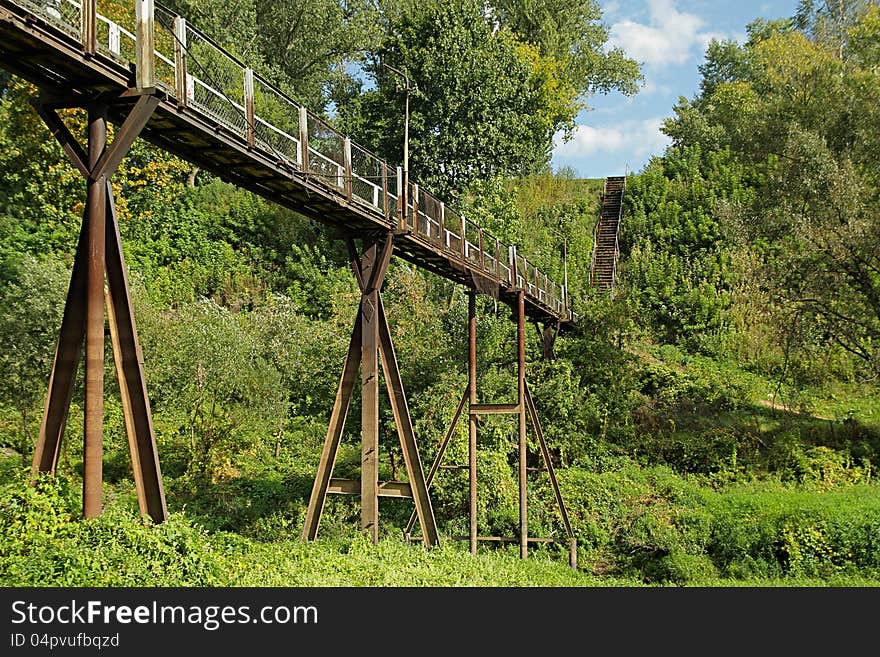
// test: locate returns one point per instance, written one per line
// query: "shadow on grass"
(705, 439)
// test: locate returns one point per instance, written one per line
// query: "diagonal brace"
(112, 156)
(441, 452)
(536, 424)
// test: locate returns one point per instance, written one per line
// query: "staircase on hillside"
(603, 270)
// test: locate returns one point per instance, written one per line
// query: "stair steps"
(603, 270)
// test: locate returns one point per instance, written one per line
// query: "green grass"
(394, 563)
(729, 493)
(847, 401)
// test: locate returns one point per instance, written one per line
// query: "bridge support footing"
(371, 343)
(99, 260)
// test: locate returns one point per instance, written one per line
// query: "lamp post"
(565, 271)
(405, 192)
(559, 233)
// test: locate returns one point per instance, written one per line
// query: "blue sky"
(669, 37)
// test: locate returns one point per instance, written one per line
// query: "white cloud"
(651, 86)
(635, 138)
(669, 37)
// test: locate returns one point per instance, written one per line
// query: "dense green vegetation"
(717, 423)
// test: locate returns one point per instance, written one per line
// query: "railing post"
(346, 159)
(464, 249)
(482, 252)
(250, 121)
(511, 260)
(514, 268)
(444, 240)
(89, 26)
(113, 42)
(145, 73)
(415, 207)
(401, 201)
(497, 258)
(181, 86)
(384, 189)
(303, 139)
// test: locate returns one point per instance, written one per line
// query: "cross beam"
(99, 257)
(370, 340)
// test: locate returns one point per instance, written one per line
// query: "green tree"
(787, 172)
(484, 104)
(206, 370)
(571, 32)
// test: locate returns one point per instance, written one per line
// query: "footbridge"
(155, 76)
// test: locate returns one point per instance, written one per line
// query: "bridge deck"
(218, 114)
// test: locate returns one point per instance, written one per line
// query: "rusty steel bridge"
(154, 75)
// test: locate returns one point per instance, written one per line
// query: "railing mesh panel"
(276, 123)
(367, 177)
(216, 82)
(163, 44)
(326, 153)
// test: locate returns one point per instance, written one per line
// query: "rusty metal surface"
(398, 489)
(96, 210)
(523, 453)
(370, 400)
(472, 420)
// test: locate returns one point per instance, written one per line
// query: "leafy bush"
(42, 543)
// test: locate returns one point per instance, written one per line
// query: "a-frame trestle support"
(99, 259)
(370, 339)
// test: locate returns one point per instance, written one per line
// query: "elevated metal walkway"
(216, 112)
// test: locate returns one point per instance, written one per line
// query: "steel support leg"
(93, 432)
(100, 253)
(521, 386)
(472, 419)
(372, 337)
(370, 402)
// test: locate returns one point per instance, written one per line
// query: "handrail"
(596, 233)
(617, 240)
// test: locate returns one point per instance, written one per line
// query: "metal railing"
(201, 76)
